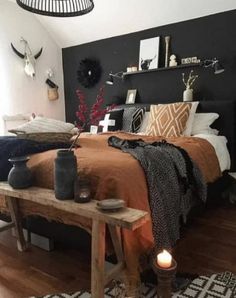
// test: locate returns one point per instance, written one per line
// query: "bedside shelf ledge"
(181, 66)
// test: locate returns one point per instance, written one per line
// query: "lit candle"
(164, 259)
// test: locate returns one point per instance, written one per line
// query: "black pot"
(20, 175)
(65, 173)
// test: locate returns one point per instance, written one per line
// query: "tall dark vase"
(65, 173)
(20, 175)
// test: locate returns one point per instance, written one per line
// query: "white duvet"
(220, 145)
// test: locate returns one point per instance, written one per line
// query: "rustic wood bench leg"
(116, 240)
(16, 219)
(98, 259)
(120, 271)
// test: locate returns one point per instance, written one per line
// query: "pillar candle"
(164, 259)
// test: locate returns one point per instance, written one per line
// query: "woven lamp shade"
(57, 8)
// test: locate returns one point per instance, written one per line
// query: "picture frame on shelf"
(149, 53)
(131, 96)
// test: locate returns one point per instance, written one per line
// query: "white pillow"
(189, 123)
(202, 122)
(40, 124)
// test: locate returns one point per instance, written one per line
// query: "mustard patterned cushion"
(168, 120)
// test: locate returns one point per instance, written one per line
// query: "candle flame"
(165, 252)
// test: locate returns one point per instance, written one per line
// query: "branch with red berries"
(95, 114)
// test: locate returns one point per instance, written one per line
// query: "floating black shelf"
(162, 69)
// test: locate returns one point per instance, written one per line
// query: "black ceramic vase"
(65, 173)
(20, 175)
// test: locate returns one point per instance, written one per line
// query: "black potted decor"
(20, 175)
(65, 173)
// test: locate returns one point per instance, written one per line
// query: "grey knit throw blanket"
(174, 182)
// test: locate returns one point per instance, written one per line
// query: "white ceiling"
(116, 17)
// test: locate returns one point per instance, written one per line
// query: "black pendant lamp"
(57, 8)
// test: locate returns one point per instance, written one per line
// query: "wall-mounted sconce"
(215, 64)
(119, 75)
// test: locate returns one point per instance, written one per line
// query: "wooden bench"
(127, 218)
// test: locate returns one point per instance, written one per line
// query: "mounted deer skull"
(29, 58)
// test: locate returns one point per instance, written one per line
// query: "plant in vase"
(91, 117)
(188, 93)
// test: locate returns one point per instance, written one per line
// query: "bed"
(115, 173)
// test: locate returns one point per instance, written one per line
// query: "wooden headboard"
(226, 123)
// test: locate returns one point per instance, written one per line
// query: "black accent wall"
(206, 37)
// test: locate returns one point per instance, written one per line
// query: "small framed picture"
(131, 95)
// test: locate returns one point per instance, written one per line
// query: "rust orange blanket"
(117, 174)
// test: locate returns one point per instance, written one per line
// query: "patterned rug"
(222, 285)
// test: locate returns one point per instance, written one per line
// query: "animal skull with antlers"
(29, 58)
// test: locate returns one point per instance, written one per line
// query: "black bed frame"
(226, 123)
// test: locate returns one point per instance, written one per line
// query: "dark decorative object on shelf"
(89, 72)
(20, 175)
(65, 173)
(82, 189)
(57, 8)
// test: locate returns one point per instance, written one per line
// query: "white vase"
(188, 95)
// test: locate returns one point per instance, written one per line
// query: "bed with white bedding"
(220, 145)
(111, 172)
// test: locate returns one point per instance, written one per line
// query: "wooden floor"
(37, 272)
(207, 246)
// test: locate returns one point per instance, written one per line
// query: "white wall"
(116, 17)
(19, 93)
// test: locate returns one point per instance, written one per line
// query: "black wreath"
(89, 72)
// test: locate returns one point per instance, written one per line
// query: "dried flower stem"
(75, 140)
(191, 79)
